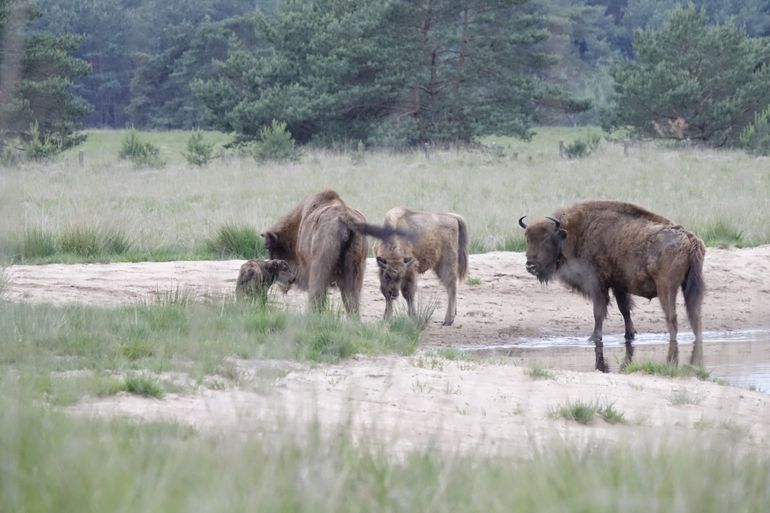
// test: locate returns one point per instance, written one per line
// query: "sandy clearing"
(411, 401)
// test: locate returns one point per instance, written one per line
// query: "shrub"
(199, 152)
(275, 143)
(140, 153)
(237, 241)
(755, 138)
(38, 147)
(582, 146)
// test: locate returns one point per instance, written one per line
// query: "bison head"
(544, 247)
(392, 273)
(282, 274)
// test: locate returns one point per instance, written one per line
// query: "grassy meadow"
(110, 210)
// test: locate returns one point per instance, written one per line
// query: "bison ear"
(408, 261)
(270, 238)
(381, 262)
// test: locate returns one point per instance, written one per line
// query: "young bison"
(440, 242)
(256, 277)
(596, 246)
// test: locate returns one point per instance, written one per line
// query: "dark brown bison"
(437, 241)
(596, 246)
(324, 241)
(257, 276)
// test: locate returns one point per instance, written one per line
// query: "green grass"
(171, 213)
(721, 233)
(664, 369)
(143, 386)
(539, 372)
(237, 241)
(585, 413)
(52, 461)
(176, 334)
(473, 281)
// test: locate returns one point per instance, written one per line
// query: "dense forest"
(387, 72)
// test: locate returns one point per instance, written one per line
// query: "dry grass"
(177, 208)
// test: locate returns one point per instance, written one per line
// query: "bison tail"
(694, 288)
(383, 232)
(462, 248)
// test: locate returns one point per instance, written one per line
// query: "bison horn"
(555, 221)
(521, 222)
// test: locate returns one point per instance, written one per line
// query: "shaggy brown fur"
(324, 242)
(440, 242)
(256, 277)
(596, 246)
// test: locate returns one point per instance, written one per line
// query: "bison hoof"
(448, 323)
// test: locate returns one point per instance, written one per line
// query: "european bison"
(324, 242)
(256, 276)
(596, 246)
(438, 242)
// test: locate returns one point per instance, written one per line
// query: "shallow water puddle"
(741, 358)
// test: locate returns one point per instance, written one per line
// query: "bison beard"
(596, 246)
(324, 241)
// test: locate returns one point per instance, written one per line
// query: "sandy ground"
(487, 405)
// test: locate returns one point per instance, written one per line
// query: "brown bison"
(438, 242)
(257, 276)
(324, 242)
(596, 246)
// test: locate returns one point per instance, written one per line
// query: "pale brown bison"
(324, 241)
(596, 246)
(437, 241)
(257, 276)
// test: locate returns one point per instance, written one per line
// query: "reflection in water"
(741, 358)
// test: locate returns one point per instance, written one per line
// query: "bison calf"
(596, 246)
(437, 241)
(256, 277)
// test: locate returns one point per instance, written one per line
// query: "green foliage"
(473, 281)
(585, 412)
(582, 146)
(140, 153)
(722, 234)
(40, 112)
(199, 152)
(143, 386)
(539, 372)
(83, 241)
(237, 241)
(275, 144)
(755, 138)
(692, 81)
(664, 369)
(417, 72)
(37, 243)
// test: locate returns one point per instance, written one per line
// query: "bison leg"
(600, 299)
(388, 308)
(623, 300)
(667, 297)
(408, 290)
(447, 274)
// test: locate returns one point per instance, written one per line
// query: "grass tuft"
(37, 243)
(539, 372)
(237, 241)
(473, 281)
(143, 386)
(585, 413)
(722, 234)
(81, 241)
(664, 369)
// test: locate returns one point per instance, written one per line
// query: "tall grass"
(237, 241)
(177, 208)
(54, 462)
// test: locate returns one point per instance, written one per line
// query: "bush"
(275, 143)
(39, 147)
(582, 146)
(237, 241)
(199, 152)
(140, 153)
(755, 138)
(396, 134)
